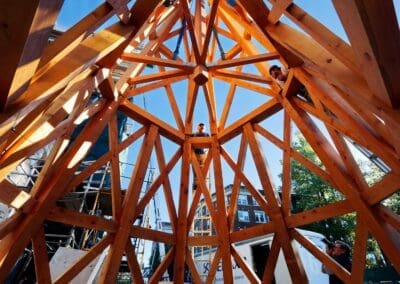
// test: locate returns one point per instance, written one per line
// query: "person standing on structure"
(200, 152)
(280, 75)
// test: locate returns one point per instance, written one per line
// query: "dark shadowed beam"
(24, 25)
(374, 34)
(257, 10)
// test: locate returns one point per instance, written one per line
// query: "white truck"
(256, 252)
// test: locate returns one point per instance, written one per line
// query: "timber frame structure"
(45, 93)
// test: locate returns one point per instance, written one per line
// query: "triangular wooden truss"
(45, 91)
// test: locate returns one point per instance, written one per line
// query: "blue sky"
(74, 10)
(322, 10)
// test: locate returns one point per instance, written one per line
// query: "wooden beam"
(110, 269)
(243, 179)
(80, 177)
(326, 38)
(136, 90)
(359, 253)
(236, 181)
(84, 261)
(293, 261)
(335, 165)
(81, 58)
(211, 23)
(157, 76)
(42, 269)
(10, 224)
(74, 218)
(152, 235)
(317, 214)
(270, 264)
(151, 191)
(15, 197)
(222, 218)
(196, 43)
(277, 10)
(168, 193)
(156, 61)
(243, 61)
(133, 264)
(32, 117)
(286, 166)
(181, 230)
(25, 24)
(246, 268)
(241, 76)
(258, 10)
(259, 114)
(203, 241)
(71, 38)
(146, 118)
(192, 267)
(116, 194)
(336, 268)
(61, 172)
(374, 34)
(252, 232)
(155, 278)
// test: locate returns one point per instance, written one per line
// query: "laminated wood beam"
(152, 235)
(109, 270)
(71, 38)
(81, 58)
(279, 6)
(360, 252)
(21, 29)
(164, 173)
(156, 61)
(270, 264)
(293, 261)
(259, 114)
(74, 218)
(243, 61)
(222, 217)
(116, 194)
(246, 268)
(252, 232)
(326, 38)
(133, 264)
(163, 266)
(182, 224)
(40, 257)
(15, 197)
(336, 268)
(50, 191)
(84, 261)
(168, 192)
(146, 118)
(334, 164)
(374, 35)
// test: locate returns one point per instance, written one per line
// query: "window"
(255, 203)
(242, 199)
(243, 216)
(260, 216)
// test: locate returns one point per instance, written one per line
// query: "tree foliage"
(310, 191)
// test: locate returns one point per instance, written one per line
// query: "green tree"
(310, 191)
